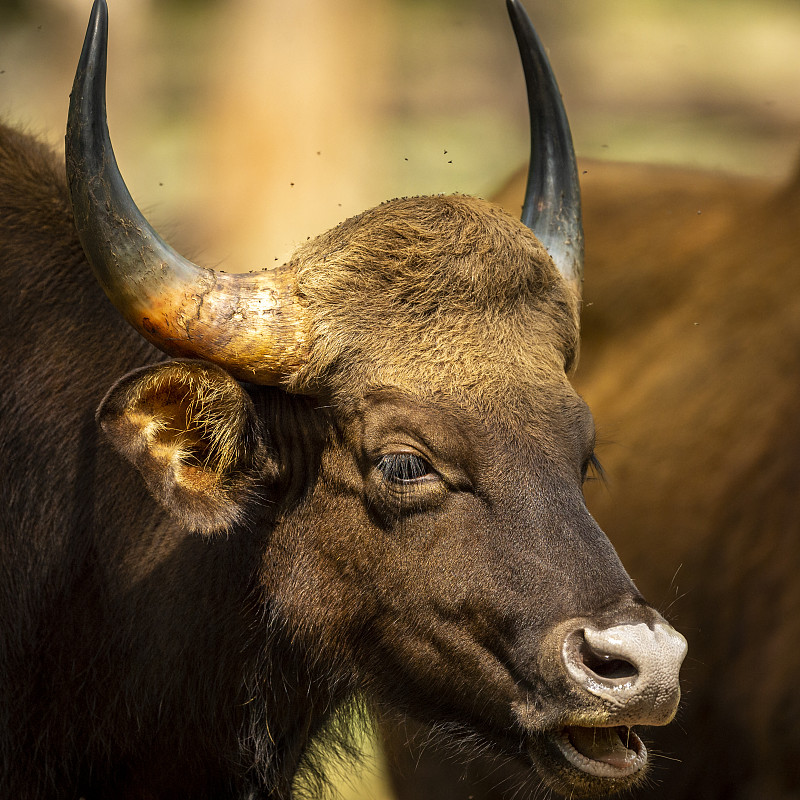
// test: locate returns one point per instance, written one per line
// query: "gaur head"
(391, 411)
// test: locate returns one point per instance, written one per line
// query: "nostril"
(632, 667)
(605, 665)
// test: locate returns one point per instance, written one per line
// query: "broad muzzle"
(633, 669)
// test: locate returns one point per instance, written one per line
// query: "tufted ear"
(192, 432)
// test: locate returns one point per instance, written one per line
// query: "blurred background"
(244, 126)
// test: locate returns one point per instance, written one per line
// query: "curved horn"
(252, 325)
(552, 208)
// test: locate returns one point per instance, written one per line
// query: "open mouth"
(614, 752)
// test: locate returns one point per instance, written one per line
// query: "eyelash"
(593, 470)
(403, 469)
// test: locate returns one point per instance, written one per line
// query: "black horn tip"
(99, 7)
(96, 31)
(520, 19)
(552, 197)
(514, 8)
(87, 91)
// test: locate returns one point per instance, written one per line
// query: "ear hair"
(192, 432)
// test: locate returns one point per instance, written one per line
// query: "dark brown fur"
(139, 659)
(691, 362)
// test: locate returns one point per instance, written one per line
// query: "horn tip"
(99, 13)
(516, 11)
(96, 33)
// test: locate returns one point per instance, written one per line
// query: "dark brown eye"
(403, 469)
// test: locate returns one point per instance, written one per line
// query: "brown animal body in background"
(690, 360)
(394, 481)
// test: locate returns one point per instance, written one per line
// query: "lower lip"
(633, 763)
